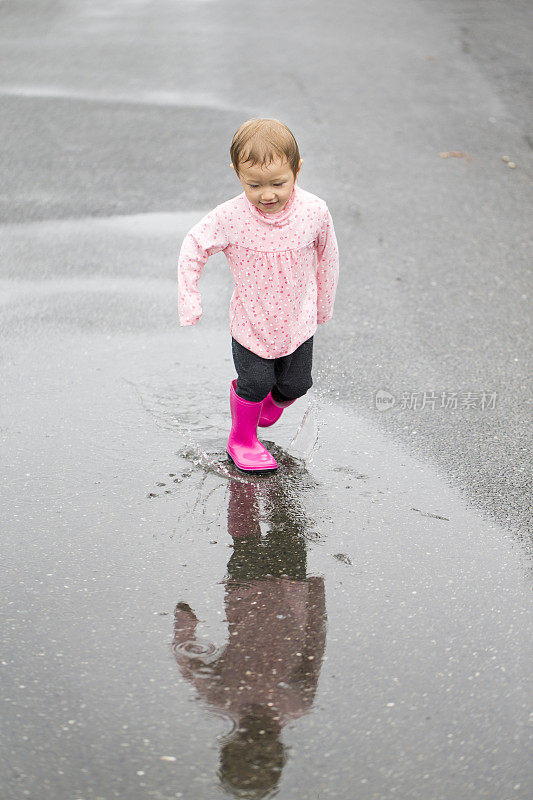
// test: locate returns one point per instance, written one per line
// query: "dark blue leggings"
(288, 377)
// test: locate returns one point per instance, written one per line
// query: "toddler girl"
(280, 244)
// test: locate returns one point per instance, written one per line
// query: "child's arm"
(204, 239)
(327, 273)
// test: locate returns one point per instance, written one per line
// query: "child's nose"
(267, 194)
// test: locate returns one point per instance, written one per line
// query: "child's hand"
(185, 620)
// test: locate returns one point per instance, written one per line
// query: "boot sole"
(255, 471)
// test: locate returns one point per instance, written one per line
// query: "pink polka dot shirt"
(285, 267)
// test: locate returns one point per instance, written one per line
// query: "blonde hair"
(260, 141)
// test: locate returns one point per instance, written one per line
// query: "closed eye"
(255, 185)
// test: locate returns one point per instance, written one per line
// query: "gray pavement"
(359, 624)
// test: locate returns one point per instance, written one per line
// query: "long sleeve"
(204, 239)
(327, 274)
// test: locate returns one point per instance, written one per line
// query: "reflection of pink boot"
(271, 410)
(244, 448)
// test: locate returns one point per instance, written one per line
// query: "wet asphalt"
(358, 624)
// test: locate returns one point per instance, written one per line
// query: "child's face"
(268, 187)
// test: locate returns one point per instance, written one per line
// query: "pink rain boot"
(244, 448)
(271, 410)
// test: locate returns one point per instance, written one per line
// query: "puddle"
(153, 97)
(329, 605)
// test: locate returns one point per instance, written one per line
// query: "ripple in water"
(195, 649)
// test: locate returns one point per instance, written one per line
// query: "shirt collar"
(280, 218)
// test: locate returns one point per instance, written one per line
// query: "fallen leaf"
(455, 154)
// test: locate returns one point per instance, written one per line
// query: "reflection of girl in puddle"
(267, 673)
